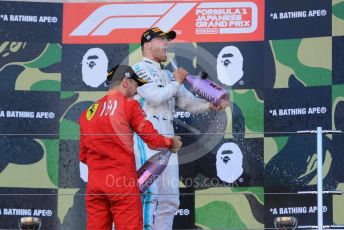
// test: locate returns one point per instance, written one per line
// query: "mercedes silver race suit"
(158, 98)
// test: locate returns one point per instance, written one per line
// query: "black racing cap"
(154, 32)
(121, 71)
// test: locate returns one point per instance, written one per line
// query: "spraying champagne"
(204, 87)
(153, 167)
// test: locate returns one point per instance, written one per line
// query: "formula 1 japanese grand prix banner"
(280, 60)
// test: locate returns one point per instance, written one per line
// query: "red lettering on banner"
(195, 21)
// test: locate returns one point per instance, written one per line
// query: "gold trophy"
(32, 223)
(285, 223)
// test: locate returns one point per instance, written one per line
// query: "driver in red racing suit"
(106, 146)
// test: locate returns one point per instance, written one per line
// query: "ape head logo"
(229, 65)
(229, 162)
(94, 67)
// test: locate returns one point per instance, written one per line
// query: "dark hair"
(117, 73)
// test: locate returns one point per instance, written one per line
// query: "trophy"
(32, 223)
(285, 223)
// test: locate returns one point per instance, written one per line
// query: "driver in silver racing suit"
(158, 98)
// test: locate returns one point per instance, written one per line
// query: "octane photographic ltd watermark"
(119, 182)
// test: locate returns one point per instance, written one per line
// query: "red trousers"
(113, 199)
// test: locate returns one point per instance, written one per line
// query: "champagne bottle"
(152, 168)
(204, 87)
(207, 89)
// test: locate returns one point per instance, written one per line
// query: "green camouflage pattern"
(337, 17)
(298, 57)
(229, 208)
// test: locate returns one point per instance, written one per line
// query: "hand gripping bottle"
(153, 167)
(204, 87)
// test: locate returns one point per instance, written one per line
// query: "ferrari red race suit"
(106, 146)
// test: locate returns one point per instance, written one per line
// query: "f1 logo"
(110, 17)
(194, 21)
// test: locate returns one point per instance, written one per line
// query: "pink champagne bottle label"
(207, 89)
(145, 175)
